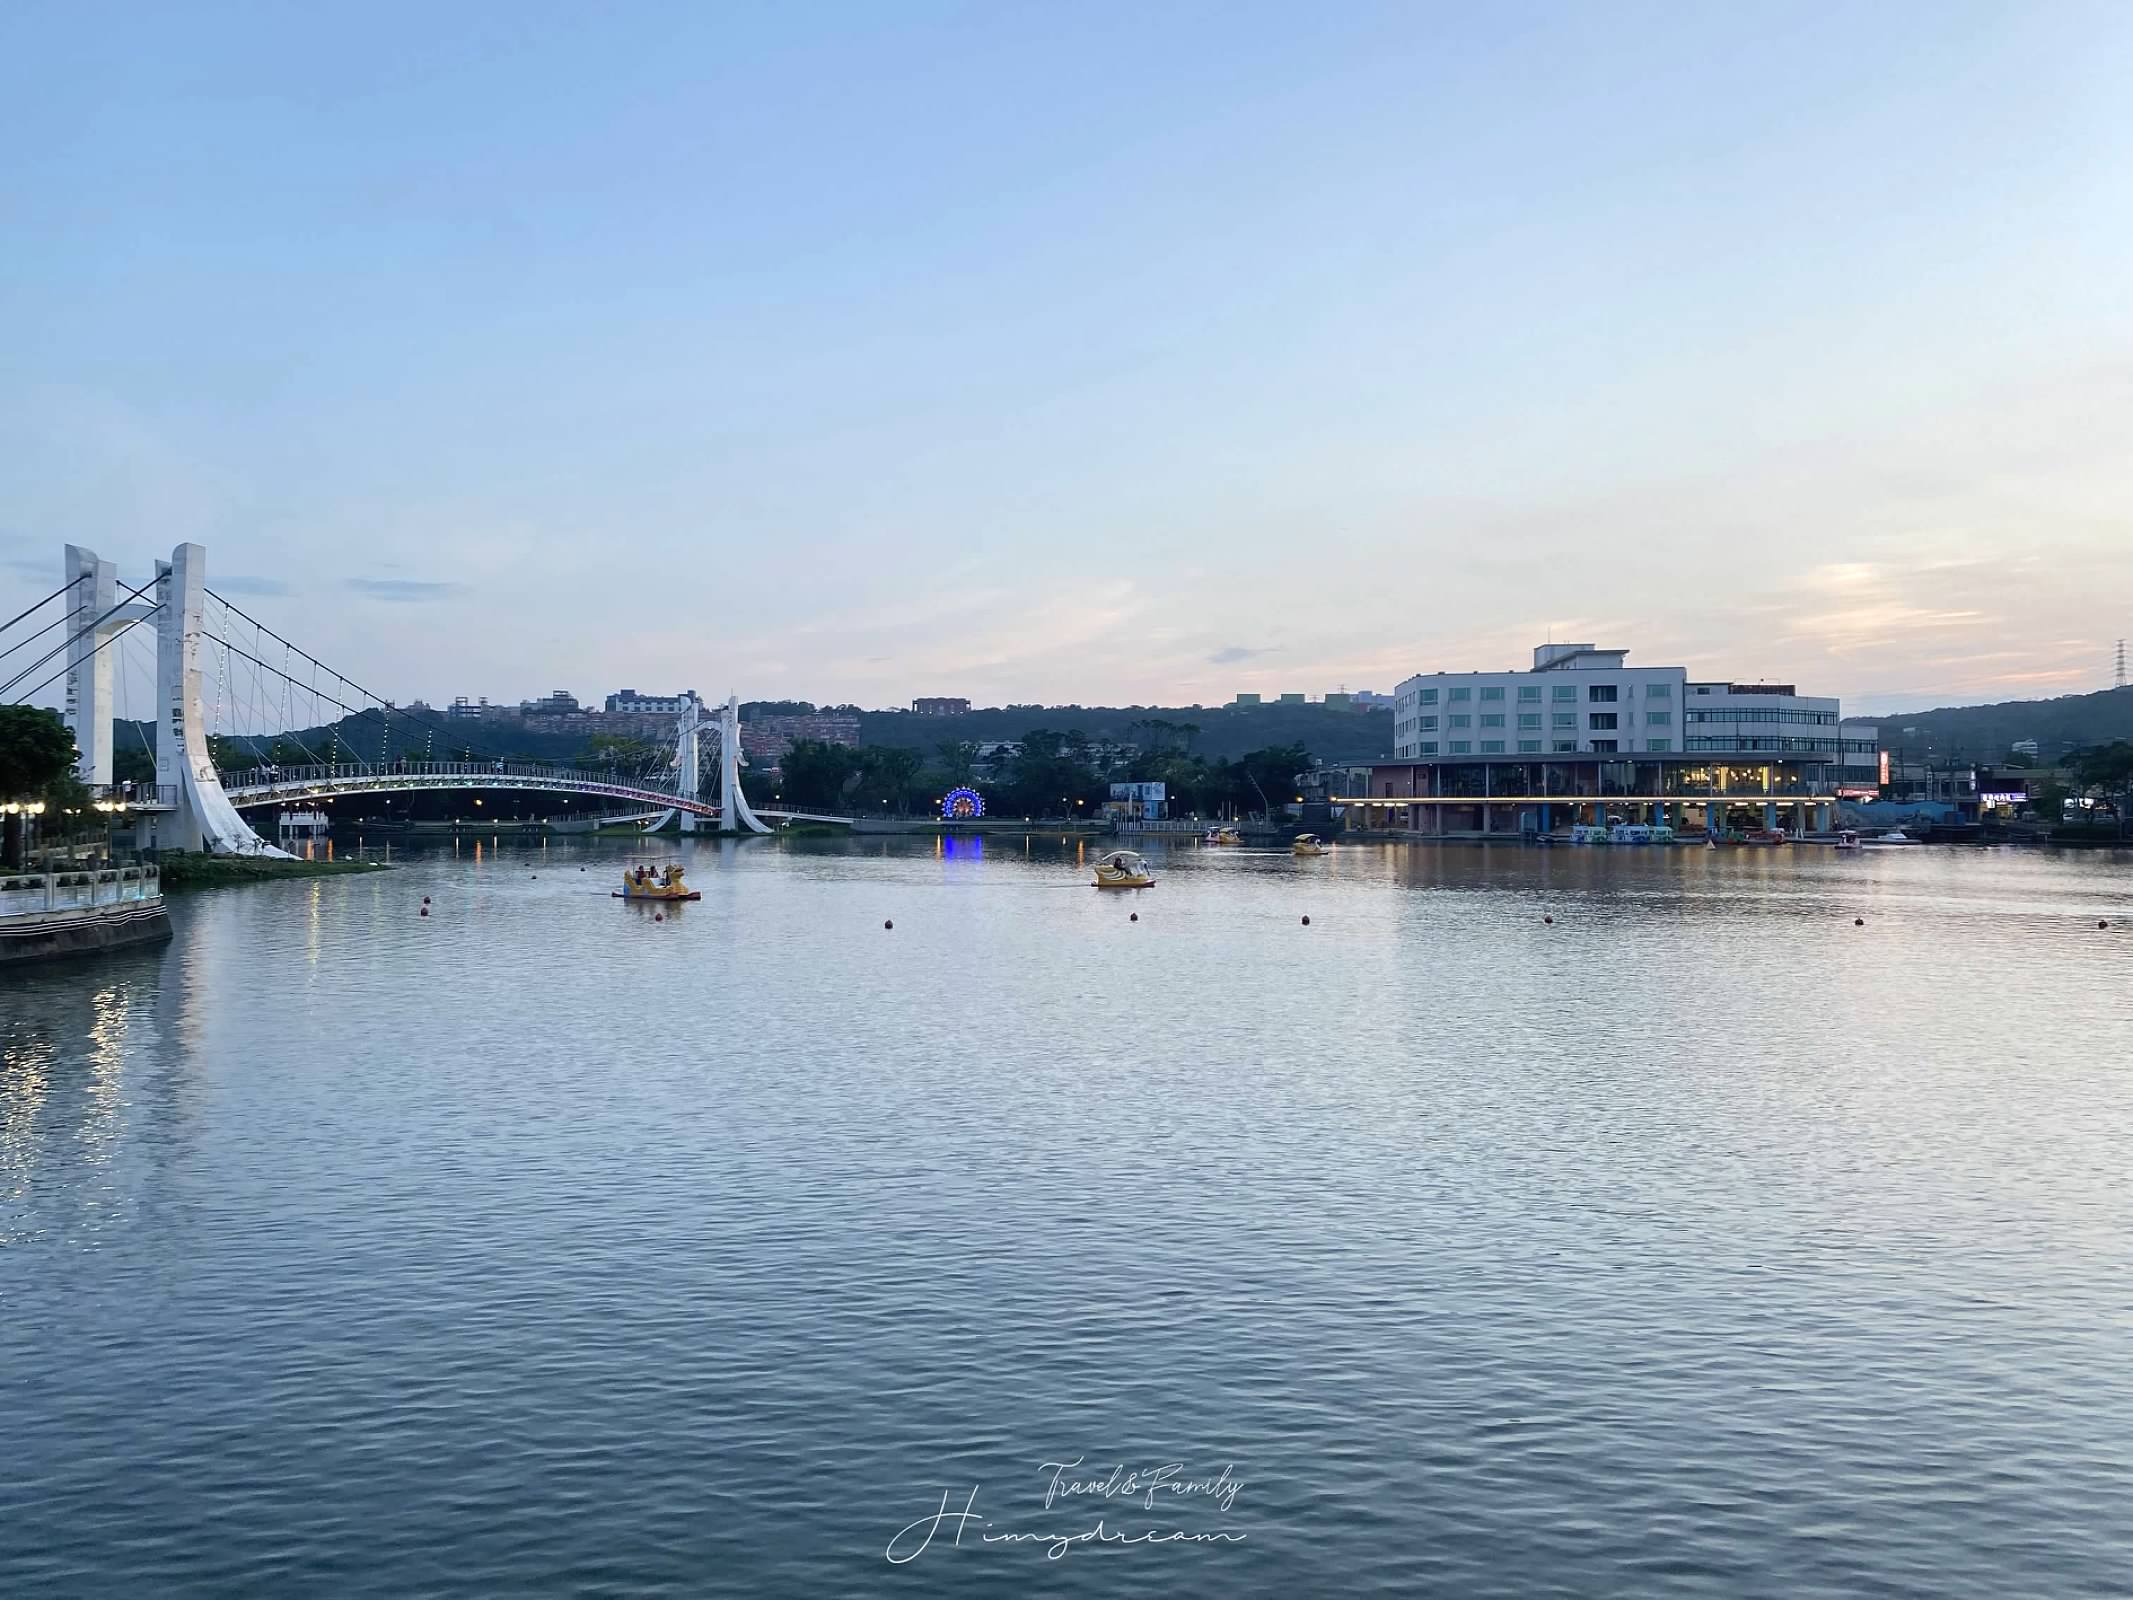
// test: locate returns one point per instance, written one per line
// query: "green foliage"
(2106, 767)
(1220, 733)
(35, 750)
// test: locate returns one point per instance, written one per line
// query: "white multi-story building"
(1584, 727)
(631, 702)
(1576, 699)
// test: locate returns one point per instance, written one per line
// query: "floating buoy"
(1135, 917)
(1858, 922)
(1307, 922)
(2102, 924)
(888, 924)
(659, 916)
(425, 911)
(425, 899)
(1549, 920)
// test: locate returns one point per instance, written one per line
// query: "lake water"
(1699, 1242)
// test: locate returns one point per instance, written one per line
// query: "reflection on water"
(1659, 1222)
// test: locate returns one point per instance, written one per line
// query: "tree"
(37, 757)
(133, 765)
(35, 749)
(2108, 770)
(816, 775)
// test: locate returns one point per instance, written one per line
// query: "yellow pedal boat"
(1123, 869)
(642, 882)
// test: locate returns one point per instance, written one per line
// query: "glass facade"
(1599, 775)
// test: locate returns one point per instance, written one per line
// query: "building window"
(1427, 697)
(1658, 691)
(1601, 694)
(1658, 719)
(1529, 692)
(1492, 719)
(1427, 747)
(1660, 746)
(1459, 719)
(1563, 691)
(1492, 747)
(1529, 747)
(1566, 719)
(1428, 724)
(1601, 719)
(1565, 746)
(1529, 719)
(1604, 746)
(1488, 693)
(1462, 694)
(1460, 747)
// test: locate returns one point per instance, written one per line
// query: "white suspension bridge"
(195, 805)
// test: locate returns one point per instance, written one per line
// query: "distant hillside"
(1225, 733)
(1987, 732)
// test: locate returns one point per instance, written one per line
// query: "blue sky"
(1085, 353)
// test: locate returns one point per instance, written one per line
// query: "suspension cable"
(47, 600)
(104, 644)
(59, 621)
(9, 686)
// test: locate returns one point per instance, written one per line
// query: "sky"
(1099, 354)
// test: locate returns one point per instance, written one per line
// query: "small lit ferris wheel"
(962, 805)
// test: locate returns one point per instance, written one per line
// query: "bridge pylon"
(203, 818)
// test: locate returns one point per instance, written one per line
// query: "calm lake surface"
(1701, 1242)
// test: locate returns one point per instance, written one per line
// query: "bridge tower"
(203, 818)
(686, 757)
(733, 812)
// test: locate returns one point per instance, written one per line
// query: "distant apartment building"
(555, 703)
(1584, 736)
(628, 702)
(1246, 700)
(764, 740)
(1291, 700)
(2025, 747)
(467, 710)
(942, 706)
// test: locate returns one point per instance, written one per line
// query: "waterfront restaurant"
(1582, 737)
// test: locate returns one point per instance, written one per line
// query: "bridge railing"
(316, 778)
(113, 796)
(290, 777)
